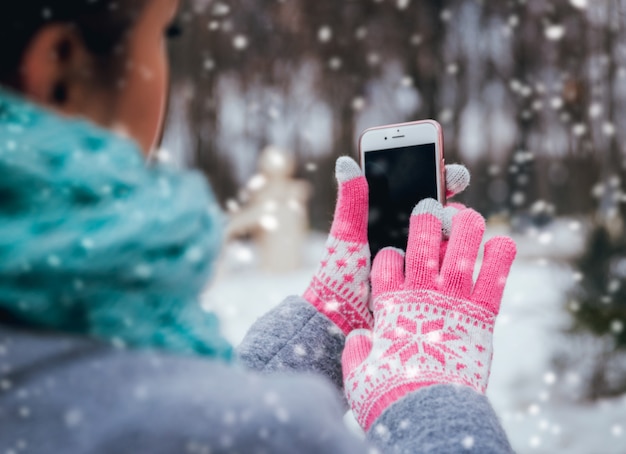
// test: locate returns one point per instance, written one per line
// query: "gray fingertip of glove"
(397, 249)
(347, 169)
(457, 178)
(446, 222)
(430, 206)
(394, 249)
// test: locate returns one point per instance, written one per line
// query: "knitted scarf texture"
(93, 241)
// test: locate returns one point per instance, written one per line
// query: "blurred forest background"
(531, 95)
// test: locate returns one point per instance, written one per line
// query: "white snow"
(240, 42)
(325, 34)
(580, 4)
(555, 32)
(527, 394)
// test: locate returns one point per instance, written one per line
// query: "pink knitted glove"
(432, 325)
(340, 287)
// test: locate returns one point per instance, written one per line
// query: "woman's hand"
(340, 288)
(432, 325)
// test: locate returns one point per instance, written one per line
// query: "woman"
(103, 347)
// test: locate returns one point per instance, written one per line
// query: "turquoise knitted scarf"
(95, 242)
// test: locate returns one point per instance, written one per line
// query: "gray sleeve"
(75, 396)
(294, 336)
(440, 419)
(97, 401)
(237, 412)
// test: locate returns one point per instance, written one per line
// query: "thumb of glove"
(358, 347)
(351, 211)
(457, 179)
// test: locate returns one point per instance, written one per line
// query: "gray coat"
(61, 394)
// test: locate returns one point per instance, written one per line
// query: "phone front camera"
(385, 138)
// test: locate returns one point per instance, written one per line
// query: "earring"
(59, 93)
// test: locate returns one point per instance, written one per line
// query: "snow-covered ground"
(528, 395)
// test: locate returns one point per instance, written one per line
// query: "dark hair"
(102, 24)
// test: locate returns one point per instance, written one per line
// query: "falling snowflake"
(361, 33)
(407, 81)
(545, 238)
(282, 414)
(194, 255)
(257, 182)
(243, 253)
(209, 64)
(534, 409)
(534, 442)
(268, 222)
(73, 417)
(468, 442)
(373, 58)
(325, 34)
(163, 155)
(54, 261)
(382, 431)
(335, 63)
(240, 42)
(358, 103)
(608, 129)
(549, 378)
(579, 129)
(446, 116)
(574, 226)
(403, 4)
(273, 112)
(143, 271)
(299, 350)
(580, 4)
(595, 110)
(221, 9)
(416, 40)
(555, 32)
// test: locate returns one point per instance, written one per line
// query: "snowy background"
(532, 98)
(536, 404)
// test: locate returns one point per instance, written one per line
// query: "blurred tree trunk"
(261, 44)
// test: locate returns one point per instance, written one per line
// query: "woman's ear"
(54, 67)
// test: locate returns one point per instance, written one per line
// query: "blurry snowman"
(274, 212)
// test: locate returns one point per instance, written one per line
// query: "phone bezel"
(405, 135)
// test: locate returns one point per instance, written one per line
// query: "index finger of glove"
(351, 211)
(457, 270)
(424, 244)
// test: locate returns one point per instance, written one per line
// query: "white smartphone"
(403, 164)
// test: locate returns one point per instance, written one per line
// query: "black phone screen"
(398, 179)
